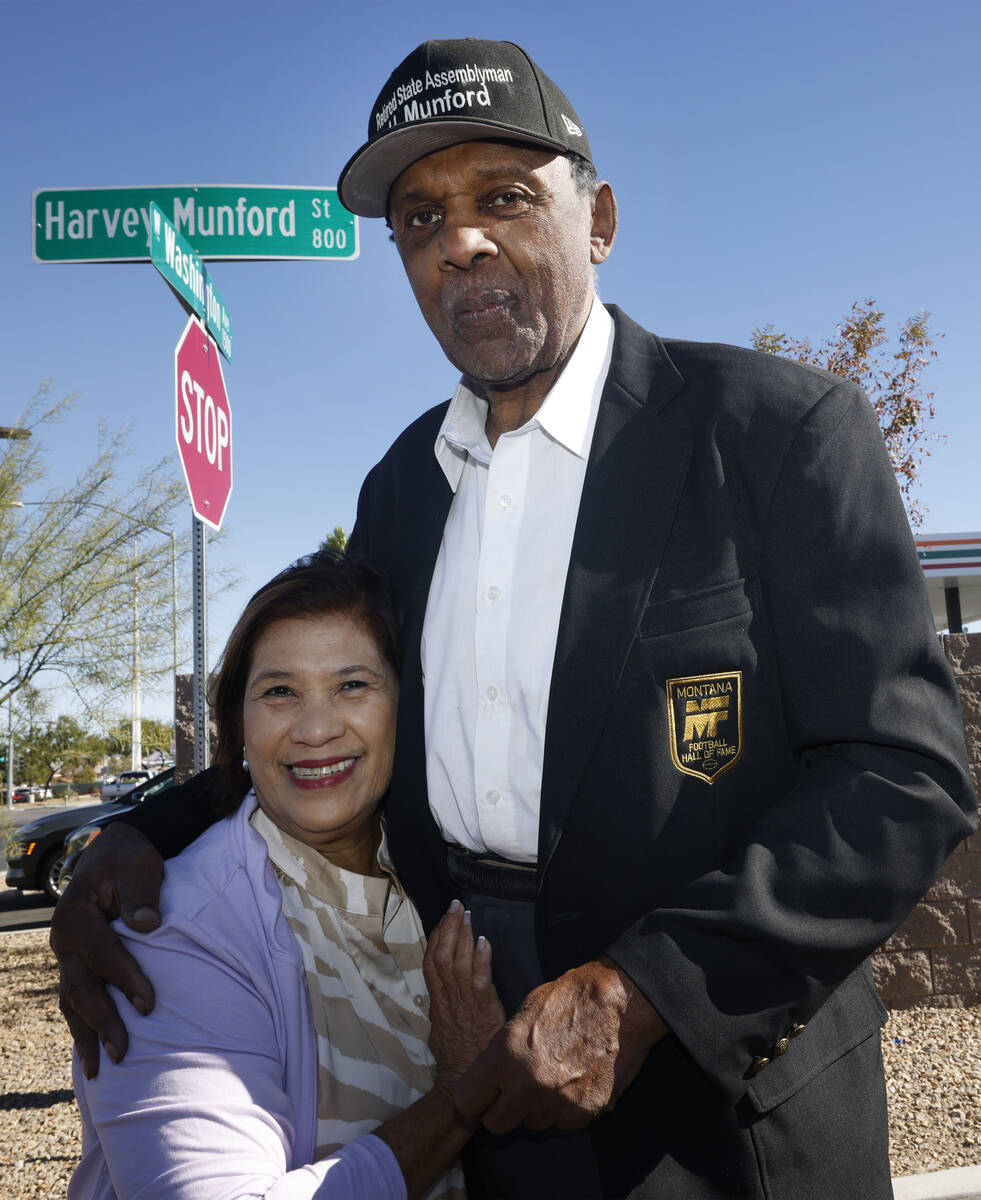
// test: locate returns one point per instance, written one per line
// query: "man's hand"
(566, 1056)
(118, 875)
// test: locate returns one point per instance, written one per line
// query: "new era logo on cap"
(571, 127)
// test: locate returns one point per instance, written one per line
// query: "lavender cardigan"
(217, 1095)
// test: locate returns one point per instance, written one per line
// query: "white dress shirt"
(492, 619)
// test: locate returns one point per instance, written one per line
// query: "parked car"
(126, 781)
(79, 838)
(28, 793)
(36, 855)
(36, 792)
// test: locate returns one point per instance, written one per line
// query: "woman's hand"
(464, 1007)
(465, 1014)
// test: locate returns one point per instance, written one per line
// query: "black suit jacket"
(740, 536)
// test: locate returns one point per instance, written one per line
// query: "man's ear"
(604, 228)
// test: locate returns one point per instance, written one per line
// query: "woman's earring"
(245, 761)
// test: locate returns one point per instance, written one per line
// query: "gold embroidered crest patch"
(705, 722)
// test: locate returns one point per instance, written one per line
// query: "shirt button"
(492, 693)
(493, 796)
(493, 593)
(419, 1000)
(505, 501)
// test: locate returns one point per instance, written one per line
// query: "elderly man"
(673, 721)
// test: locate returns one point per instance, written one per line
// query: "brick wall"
(935, 956)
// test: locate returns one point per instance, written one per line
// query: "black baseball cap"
(456, 91)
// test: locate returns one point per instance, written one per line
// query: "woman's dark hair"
(322, 584)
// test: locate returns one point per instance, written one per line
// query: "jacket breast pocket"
(695, 609)
(702, 659)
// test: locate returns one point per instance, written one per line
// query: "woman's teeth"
(321, 772)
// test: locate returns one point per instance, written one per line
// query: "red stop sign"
(204, 423)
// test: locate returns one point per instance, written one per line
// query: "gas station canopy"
(952, 565)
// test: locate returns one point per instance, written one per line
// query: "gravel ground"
(932, 1058)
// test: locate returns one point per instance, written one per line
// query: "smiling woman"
(319, 718)
(301, 1038)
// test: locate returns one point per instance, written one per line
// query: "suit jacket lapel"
(637, 464)
(414, 837)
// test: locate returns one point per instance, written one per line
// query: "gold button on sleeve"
(758, 1064)
(797, 1030)
(781, 1047)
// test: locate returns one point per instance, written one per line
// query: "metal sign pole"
(202, 730)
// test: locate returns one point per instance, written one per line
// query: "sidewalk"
(54, 802)
(960, 1183)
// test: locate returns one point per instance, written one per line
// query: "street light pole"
(173, 610)
(10, 749)
(10, 738)
(136, 729)
(14, 433)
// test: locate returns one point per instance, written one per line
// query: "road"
(20, 814)
(20, 911)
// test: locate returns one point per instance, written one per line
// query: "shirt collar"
(567, 415)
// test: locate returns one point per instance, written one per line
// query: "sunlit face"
(319, 719)
(499, 247)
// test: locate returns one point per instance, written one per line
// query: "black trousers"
(522, 1165)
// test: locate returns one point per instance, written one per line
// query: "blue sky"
(774, 162)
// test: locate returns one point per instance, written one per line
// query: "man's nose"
(464, 244)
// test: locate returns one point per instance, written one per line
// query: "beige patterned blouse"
(362, 946)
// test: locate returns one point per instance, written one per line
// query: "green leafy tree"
(62, 747)
(30, 718)
(337, 540)
(889, 374)
(79, 561)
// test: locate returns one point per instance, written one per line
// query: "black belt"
(491, 874)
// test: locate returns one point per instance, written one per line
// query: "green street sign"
(187, 275)
(176, 261)
(224, 221)
(216, 316)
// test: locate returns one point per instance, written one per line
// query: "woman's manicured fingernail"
(466, 917)
(482, 942)
(455, 906)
